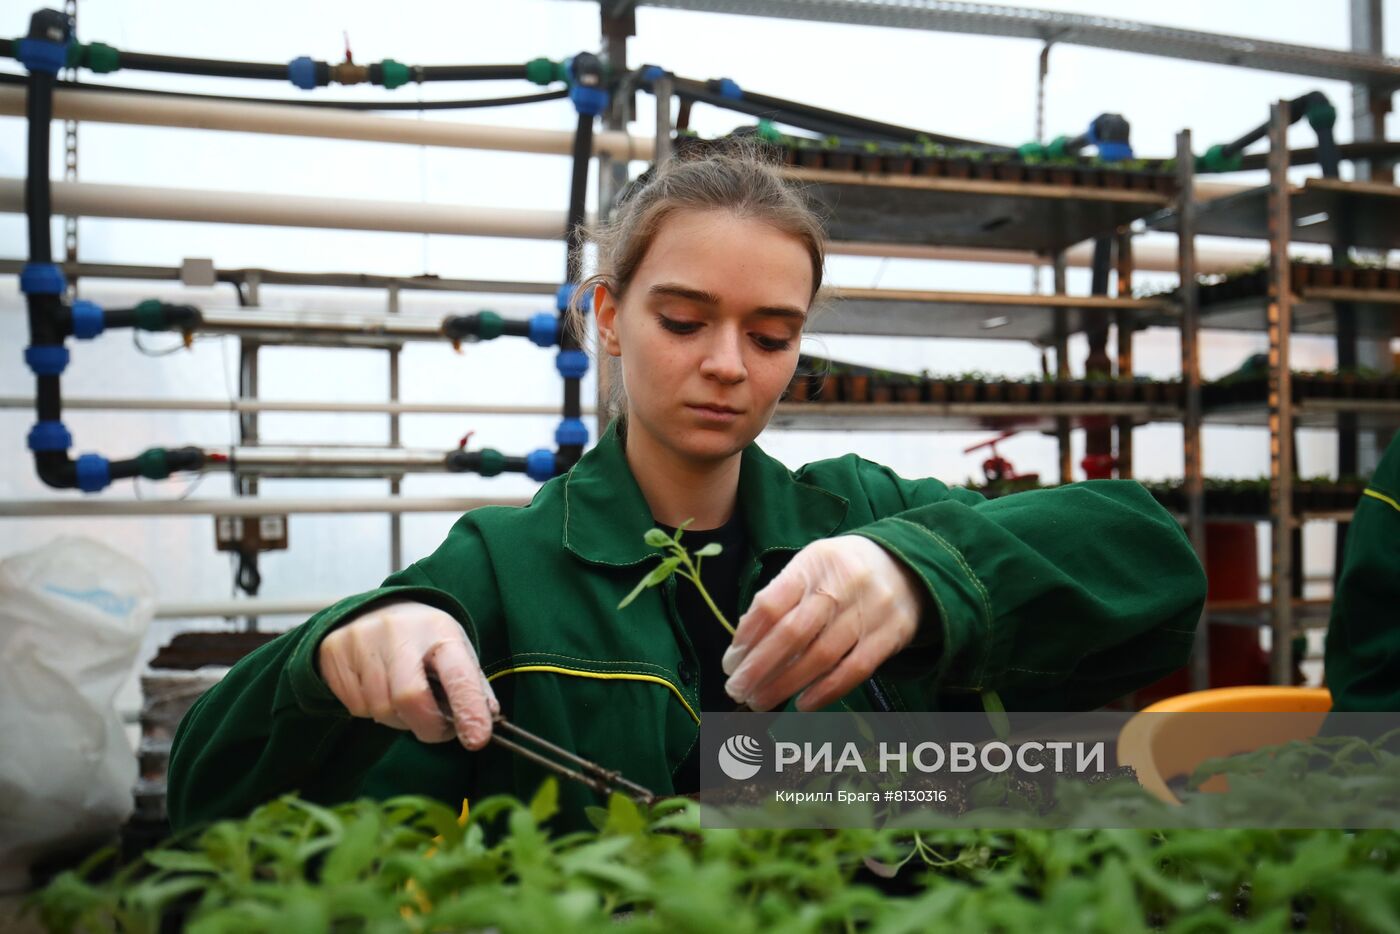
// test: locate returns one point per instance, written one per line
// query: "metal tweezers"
(588, 773)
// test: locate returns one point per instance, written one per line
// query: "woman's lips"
(712, 414)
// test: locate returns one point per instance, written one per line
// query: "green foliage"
(408, 864)
(679, 561)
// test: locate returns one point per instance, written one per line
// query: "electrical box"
(250, 534)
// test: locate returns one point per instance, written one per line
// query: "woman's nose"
(724, 359)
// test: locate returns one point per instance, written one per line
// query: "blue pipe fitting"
(94, 473)
(571, 431)
(539, 465)
(588, 101)
(88, 319)
(46, 359)
(652, 72)
(302, 72)
(40, 55)
(729, 89)
(566, 292)
(571, 364)
(544, 329)
(1115, 152)
(42, 279)
(49, 436)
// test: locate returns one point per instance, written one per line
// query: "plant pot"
(870, 162)
(985, 171)
(959, 168)
(840, 161)
(1346, 277)
(1324, 276)
(1171, 393)
(1148, 391)
(797, 389)
(928, 166)
(937, 390)
(908, 393)
(821, 387)
(1099, 390)
(1368, 278)
(855, 387)
(1011, 172)
(1018, 392)
(1390, 278)
(1062, 175)
(965, 391)
(1045, 391)
(1298, 277)
(994, 391)
(1124, 390)
(899, 165)
(1072, 390)
(881, 391)
(809, 158)
(1037, 175)
(1113, 178)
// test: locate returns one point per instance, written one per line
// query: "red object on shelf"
(997, 468)
(1236, 656)
(1099, 466)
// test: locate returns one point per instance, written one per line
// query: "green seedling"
(680, 561)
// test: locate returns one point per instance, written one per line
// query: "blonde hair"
(741, 178)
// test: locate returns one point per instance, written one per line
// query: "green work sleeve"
(271, 725)
(1058, 599)
(1363, 635)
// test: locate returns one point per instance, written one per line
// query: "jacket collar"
(605, 514)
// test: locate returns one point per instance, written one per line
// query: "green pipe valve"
(543, 72)
(1216, 160)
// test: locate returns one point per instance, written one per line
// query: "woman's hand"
(377, 665)
(831, 617)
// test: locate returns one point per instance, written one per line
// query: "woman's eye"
(678, 327)
(772, 344)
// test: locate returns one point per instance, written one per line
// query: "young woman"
(858, 588)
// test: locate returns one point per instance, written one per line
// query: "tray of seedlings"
(1249, 498)
(1303, 276)
(928, 159)
(1250, 386)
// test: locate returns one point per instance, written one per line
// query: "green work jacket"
(1061, 599)
(1363, 635)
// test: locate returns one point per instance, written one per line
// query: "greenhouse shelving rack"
(1332, 211)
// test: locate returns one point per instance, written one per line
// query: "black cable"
(308, 102)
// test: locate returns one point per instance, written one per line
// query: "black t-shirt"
(720, 574)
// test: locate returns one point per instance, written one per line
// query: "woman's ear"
(605, 311)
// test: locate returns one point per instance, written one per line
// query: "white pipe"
(325, 123)
(267, 405)
(1148, 256)
(242, 506)
(88, 199)
(258, 606)
(179, 204)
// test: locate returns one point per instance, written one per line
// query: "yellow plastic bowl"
(1161, 745)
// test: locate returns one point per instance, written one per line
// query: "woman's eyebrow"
(709, 298)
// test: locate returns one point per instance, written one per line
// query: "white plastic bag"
(72, 617)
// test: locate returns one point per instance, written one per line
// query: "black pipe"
(469, 72)
(816, 119)
(180, 65)
(578, 192)
(470, 462)
(37, 205)
(308, 102)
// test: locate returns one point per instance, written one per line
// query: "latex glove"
(831, 617)
(377, 666)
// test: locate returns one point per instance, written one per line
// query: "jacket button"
(686, 672)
